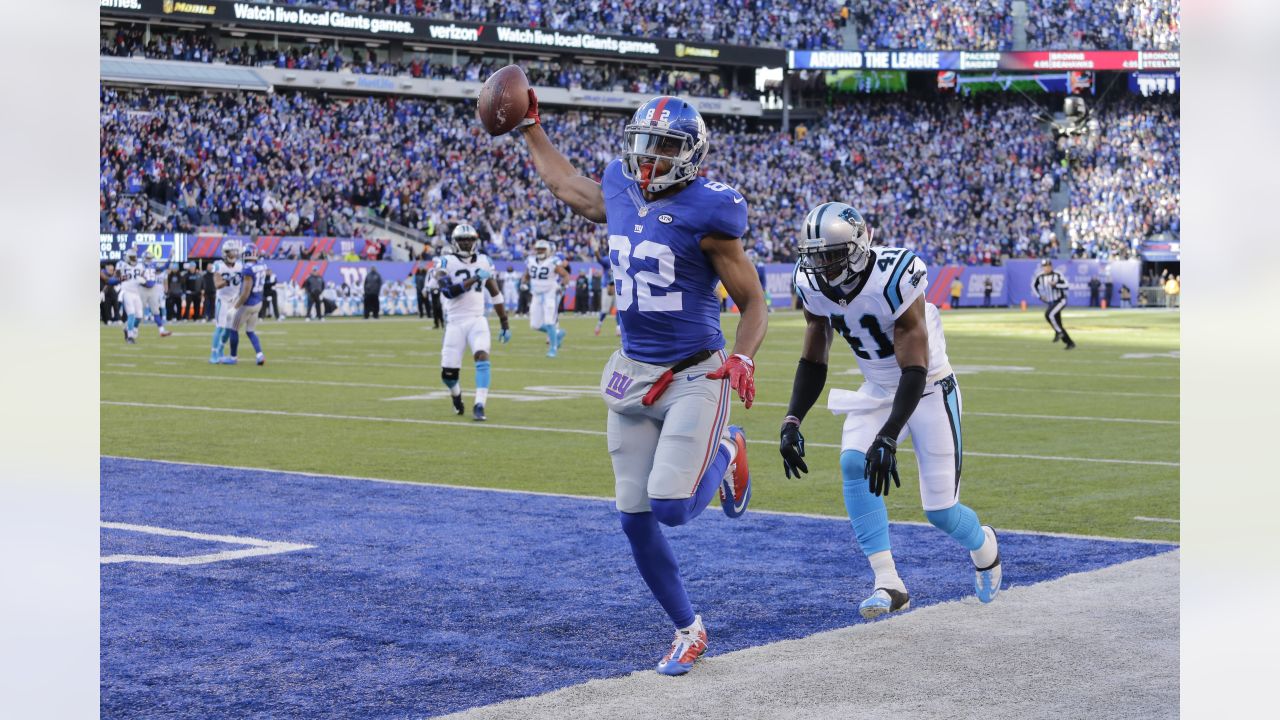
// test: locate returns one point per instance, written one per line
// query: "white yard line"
(256, 546)
(571, 431)
(1157, 520)
(426, 367)
(420, 388)
(509, 491)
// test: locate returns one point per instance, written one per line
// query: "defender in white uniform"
(155, 272)
(547, 277)
(227, 279)
(465, 277)
(874, 298)
(132, 274)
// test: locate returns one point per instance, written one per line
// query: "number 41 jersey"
(665, 284)
(898, 277)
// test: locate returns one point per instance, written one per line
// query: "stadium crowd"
(818, 24)
(960, 179)
(1124, 177)
(926, 25)
(1104, 24)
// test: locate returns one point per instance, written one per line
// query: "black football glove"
(882, 464)
(792, 449)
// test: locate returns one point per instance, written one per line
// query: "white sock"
(731, 447)
(482, 394)
(886, 571)
(456, 390)
(697, 623)
(985, 555)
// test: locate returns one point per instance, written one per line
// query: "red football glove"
(741, 372)
(531, 117)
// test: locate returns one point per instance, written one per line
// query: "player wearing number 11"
(874, 297)
(672, 234)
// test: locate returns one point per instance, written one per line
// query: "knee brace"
(867, 512)
(449, 376)
(959, 522)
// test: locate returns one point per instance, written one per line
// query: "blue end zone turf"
(419, 601)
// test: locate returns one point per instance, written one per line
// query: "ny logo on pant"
(618, 385)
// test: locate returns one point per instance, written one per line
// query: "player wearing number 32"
(672, 234)
(874, 297)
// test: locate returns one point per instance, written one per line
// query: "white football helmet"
(835, 247)
(542, 249)
(231, 250)
(131, 256)
(464, 240)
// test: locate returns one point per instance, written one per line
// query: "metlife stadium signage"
(412, 28)
(957, 60)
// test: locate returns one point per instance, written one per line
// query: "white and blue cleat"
(229, 360)
(735, 487)
(986, 582)
(215, 358)
(884, 601)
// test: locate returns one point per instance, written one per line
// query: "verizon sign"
(455, 32)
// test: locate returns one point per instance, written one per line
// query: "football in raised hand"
(503, 101)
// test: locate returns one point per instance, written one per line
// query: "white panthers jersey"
(897, 279)
(543, 277)
(469, 304)
(230, 273)
(131, 276)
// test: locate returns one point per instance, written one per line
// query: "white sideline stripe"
(575, 431)
(542, 493)
(332, 383)
(259, 547)
(428, 365)
(1159, 520)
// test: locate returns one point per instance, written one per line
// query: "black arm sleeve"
(910, 388)
(810, 379)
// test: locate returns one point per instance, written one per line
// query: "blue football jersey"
(665, 285)
(256, 274)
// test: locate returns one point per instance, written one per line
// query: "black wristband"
(910, 388)
(811, 377)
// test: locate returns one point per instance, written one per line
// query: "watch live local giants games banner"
(300, 17)
(1025, 61)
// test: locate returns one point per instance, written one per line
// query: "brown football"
(503, 101)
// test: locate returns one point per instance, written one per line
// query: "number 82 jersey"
(866, 322)
(664, 283)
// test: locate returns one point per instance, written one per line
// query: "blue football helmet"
(665, 129)
(250, 253)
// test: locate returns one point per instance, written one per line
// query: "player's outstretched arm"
(579, 192)
(743, 285)
(811, 377)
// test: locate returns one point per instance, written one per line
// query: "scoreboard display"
(171, 246)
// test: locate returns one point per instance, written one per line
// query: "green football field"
(1083, 442)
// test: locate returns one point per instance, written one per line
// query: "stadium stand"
(1104, 24)
(127, 40)
(818, 24)
(961, 179)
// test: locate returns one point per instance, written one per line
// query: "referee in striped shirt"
(1052, 289)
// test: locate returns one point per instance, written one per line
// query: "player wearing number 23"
(672, 235)
(874, 297)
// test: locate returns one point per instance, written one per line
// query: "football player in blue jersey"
(875, 298)
(672, 234)
(253, 276)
